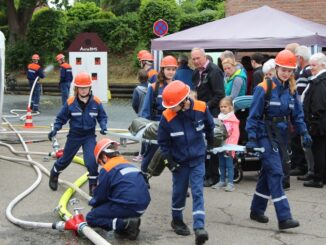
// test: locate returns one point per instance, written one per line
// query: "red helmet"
(141, 53)
(35, 57)
(174, 93)
(147, 56)
(59, 57)
(169, 61)
(286, 59)
(107, 145)
(83, 80)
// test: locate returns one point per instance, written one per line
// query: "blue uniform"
(34, 71)
(152, 109)
(180, 135)
(281, 105)
(81, 133)
(65, 81)
(152, 75)
(121, 193)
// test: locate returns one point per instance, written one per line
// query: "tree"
(120, 7)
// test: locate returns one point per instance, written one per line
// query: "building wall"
(313, 10)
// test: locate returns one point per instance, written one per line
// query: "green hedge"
(191, 20)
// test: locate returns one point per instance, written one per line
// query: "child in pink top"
(231, 124)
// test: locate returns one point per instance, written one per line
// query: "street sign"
(160, 28)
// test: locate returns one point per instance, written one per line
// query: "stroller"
(243, 162)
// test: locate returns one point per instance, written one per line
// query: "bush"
(153, 10)
(18, 55)
(191, 20)
(46, 33)
(3, 18)
(84, 11)
(189, 7)
(5, 31)
(207, 4)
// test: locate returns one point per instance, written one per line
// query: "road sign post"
(160, 28)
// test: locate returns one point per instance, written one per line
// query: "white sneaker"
(219, 185)
(229, 188)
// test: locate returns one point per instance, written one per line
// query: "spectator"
(209, 84)
(292, 47)
(246, 62)
(236, 79)
(269, 68)
(140, 91)
(184, 72)
(315, 115)
(258, 75)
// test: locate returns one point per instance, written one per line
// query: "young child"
(231, 124)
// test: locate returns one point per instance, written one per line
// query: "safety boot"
(180, 228)
(259, 217)
(288, 224)
(132, 228)
(53, 181)
(201, 236)
(91, 189)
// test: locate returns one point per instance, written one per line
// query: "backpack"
(220, 133)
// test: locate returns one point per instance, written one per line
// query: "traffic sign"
(160, 28)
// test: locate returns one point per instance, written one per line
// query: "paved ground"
(227, 214)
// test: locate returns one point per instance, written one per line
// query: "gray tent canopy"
(261, 28)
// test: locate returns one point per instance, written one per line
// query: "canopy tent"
(261, 28)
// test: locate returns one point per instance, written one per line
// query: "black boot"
(259, 217)
(91, 189)
(180, 228)
(313, 183)
(288, 224)
(53, 181)
(132, 228)
(305, 177)
(201, 236)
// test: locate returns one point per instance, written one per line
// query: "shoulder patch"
(264, 85)
(151, 73)
(199, 105)
(97, 99)
(70, 100)
(169, 114)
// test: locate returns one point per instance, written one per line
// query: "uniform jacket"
(81, 122)
(65, 73)
(152, 75)
(121, 183)
(281, 104)
(138, 97)
(152, 108)
(34, 71)
(210, 86)
(315, 105)
(184, 74)
(180, 135)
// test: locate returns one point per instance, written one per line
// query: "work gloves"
(306, 140)
(172, 165)
(52, 134)
(251, 144)
(103, 131)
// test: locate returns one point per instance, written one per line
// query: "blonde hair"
(228, 61)
(292, 85)
(228, 100)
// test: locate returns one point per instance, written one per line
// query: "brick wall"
(313, 10)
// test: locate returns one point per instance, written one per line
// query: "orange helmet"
(147, 56)
(169, 61)
(141, 53)
(174, 93)
(59, 57)
(83, 80)
(106, 145)
(35, 57)
(286, 59)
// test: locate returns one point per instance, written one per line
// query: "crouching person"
(180, 137)
(121, 196)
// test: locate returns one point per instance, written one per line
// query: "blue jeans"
(226, 164)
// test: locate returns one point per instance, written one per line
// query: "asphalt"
(227, 214)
